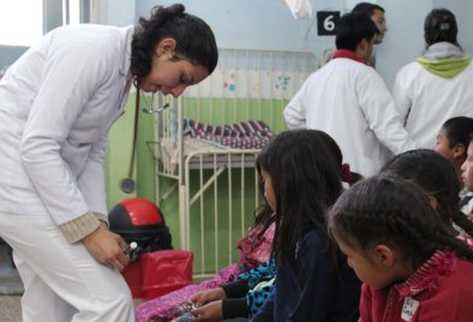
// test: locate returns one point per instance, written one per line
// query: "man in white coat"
(349, 100)
(57, 104)
(377, 14)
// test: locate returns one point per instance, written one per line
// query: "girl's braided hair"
(437, 177)
(392, 211)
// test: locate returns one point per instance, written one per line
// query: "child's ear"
(459, 152)
(384, 255)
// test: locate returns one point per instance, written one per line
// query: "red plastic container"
(159, 273)
(132, 274)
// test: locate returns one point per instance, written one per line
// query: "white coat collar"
(443, 50)
(127, 36)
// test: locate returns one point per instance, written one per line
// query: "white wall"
(268, 24)
(113, 12)
(404, 40)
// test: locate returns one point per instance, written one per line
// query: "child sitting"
(313, 283)
(437, 177)
(412, 267)
(244, 297)
(453, 139)
(452, 142)
(255, 249)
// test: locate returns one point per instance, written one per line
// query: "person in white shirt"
(348, 99)
(377, 14)
(57, 104)
(437, 86)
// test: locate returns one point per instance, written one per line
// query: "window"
(71, 12)
(21, 22)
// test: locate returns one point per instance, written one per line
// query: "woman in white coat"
(57, 104)
(437, 86)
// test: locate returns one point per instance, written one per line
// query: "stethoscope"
(128, 184)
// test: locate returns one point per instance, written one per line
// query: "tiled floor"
(10, 310)
(10, 283)
(11, 287)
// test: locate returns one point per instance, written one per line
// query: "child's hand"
(207, 296)
(210, 312)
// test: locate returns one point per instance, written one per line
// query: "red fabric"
(132, 275)
(346, 173)
(442, 286)
(344, 53)
(255, 248)
(158, 273)
(166, 307)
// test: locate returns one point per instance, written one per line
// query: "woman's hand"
(206, 296)
(210, 312)
(107, 248)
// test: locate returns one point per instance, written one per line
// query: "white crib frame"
(215, 159)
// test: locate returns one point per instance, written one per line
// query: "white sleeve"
(295, 111)
(72, 75)
(92, 179)
(401, 96)
(383, 118)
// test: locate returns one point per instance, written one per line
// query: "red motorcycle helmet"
(140, 220)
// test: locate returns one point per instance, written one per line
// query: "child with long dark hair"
(245, 296)
(412, 267)
(437, 177)
(313, 283)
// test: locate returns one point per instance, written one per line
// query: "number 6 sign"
(327, 22)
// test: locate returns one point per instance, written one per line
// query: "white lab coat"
(350, 101)
(57, 104)
(425, 101)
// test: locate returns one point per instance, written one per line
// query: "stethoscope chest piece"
(127, 185)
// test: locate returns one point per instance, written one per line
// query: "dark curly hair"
(195, 40)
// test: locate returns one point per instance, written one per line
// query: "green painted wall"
(119, 154)
(209, 110)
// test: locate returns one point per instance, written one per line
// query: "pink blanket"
(254, 250)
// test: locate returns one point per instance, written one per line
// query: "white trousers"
(62, 281)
